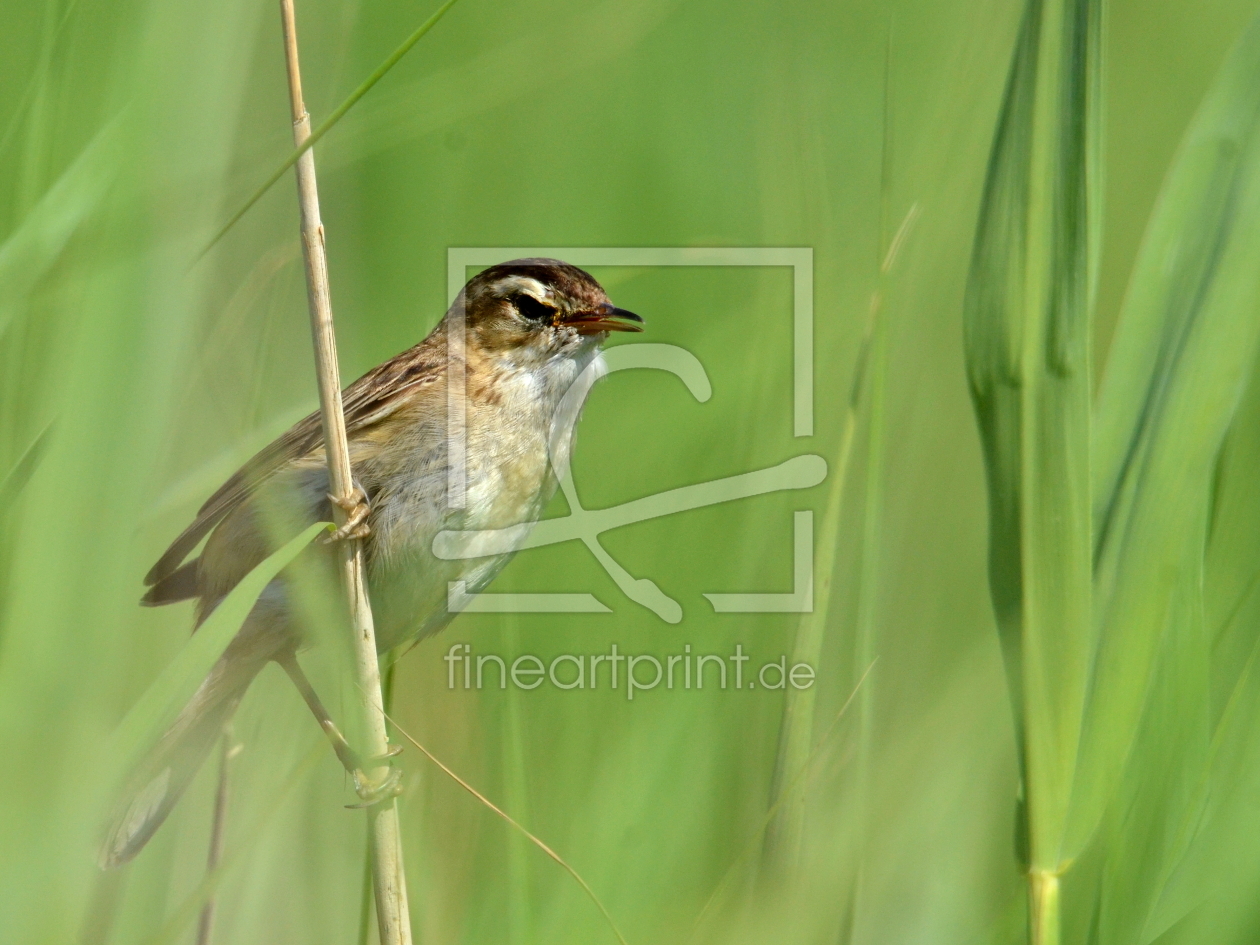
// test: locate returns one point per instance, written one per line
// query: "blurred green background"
(130, 131)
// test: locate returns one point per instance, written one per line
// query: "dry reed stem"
(388, 879)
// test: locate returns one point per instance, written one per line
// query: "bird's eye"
(532, 309)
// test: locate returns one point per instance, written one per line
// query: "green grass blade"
(781, 851)
(30, 250)
(15, 480)
(171, 689)
(326, 125)
(1183, 351)
(1152, 818)
(183, 916)
(1183, 252)
(1027, 324)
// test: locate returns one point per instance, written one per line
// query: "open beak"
(606, 318)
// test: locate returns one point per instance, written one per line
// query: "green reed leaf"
(172, 688)
(30, 251)
(1027, 324)
(1182, 354)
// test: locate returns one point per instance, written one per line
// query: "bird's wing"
(366, 402)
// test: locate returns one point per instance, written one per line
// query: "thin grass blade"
(326, 125)
(30, 250)
(15, 480)
(1182, 354)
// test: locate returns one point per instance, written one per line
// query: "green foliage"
(1124, 650)
(153, 711)
(1028, 331)
(135, 376)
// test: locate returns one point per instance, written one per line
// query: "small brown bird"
(530, 327)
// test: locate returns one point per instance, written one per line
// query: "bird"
(512, 343)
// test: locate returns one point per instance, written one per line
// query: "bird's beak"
(606, 318)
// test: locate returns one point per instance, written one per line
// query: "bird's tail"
(165, 773)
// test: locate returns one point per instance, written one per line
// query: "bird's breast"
(516, 413)
(508, 480)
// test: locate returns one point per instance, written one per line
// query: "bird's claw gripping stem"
(357, 508)
(372, 793)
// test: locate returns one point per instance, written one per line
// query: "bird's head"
(540, 308)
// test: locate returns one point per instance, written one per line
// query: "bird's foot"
(357, 508)
(373, 792)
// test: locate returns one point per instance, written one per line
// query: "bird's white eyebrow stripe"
(511, 284)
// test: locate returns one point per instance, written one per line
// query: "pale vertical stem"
(365, 895)
(1055, 404)
(365, 898)
(1043, 907)
(388, 879)
(218, 826)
